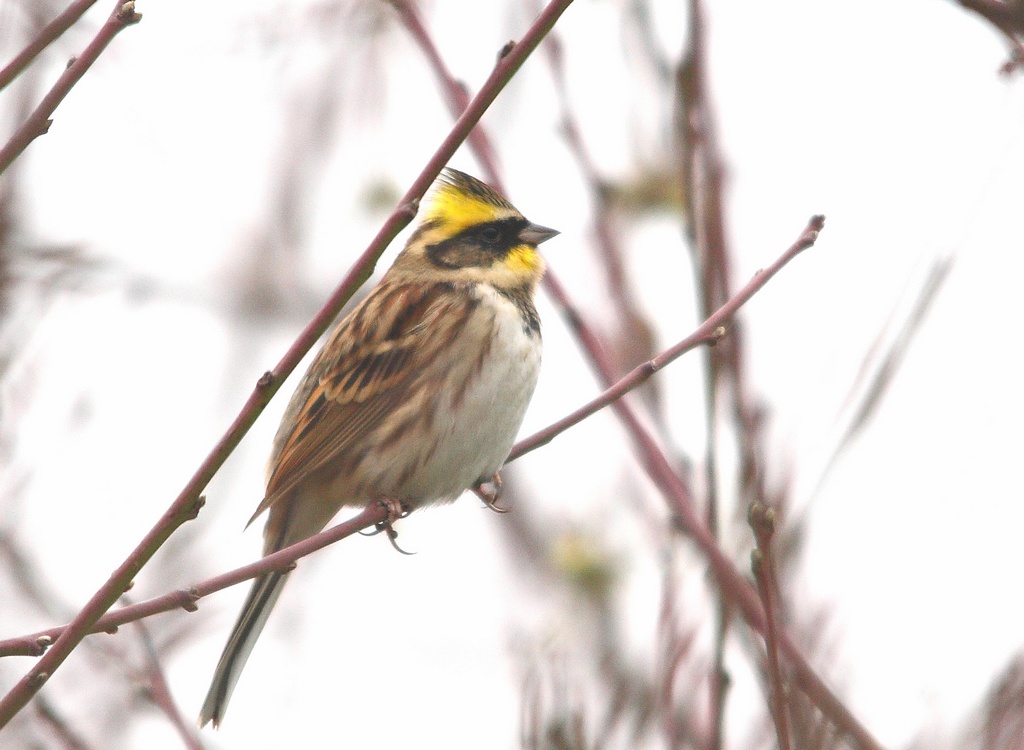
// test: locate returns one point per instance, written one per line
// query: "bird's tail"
(262, 597)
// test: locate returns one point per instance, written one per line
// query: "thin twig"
(881, 365)
(46, 36)
(675, 647)
(710, 330)
(188, 502)
(52, 718)
(634, 331)
(39, 121)
(762, 521)
(1008, 17)
(727, 389)
(895, 354)
(160, 693)
(701, 173)
(732, 584)
(707, 333)
(456, 93)
(187, 598)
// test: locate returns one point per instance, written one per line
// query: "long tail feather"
(258, 605)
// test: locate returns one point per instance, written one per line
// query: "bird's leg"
(396, 510)
(490, 491)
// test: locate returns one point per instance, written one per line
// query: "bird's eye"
(490, 234)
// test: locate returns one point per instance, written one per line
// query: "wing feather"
(368, 367)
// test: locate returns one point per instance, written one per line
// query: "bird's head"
(471, 233)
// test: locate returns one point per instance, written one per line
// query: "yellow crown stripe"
(456, 210)
(459, 201)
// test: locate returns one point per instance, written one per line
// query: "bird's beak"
(534, 234)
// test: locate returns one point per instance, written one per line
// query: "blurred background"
(210, 180)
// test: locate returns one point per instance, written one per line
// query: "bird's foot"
(490, 492)
(396, 510)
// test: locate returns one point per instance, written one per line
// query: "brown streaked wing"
(393, 336)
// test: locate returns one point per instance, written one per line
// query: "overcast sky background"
(888, 117)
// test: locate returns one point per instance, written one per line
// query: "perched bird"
(417, 394)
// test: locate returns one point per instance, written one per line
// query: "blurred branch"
(1002, 720)
(39, 121)
(52, 718)
(711, 330)
(36, 644)
(762, 521)
(731, 582)
(895, 355)
(634, 331)
(677, 647)
(1007, 17)
(877, 373)
(25, 574)
(455, 92)
(46, 36)
(188, 503)
(702, 174)
(159, 692)
(708, 332)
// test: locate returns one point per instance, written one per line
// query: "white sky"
(888, 117)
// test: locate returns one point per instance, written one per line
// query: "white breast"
(474, 435)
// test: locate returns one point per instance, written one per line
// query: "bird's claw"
(490, 492)
(395, 511)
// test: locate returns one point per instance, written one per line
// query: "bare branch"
(1008, 18)
(36, 643)
(160, 693)
(188, 502)
(731, 583)
(762, 521)
(709, 332)
(55, 721)
(39, 121)
(46, 36)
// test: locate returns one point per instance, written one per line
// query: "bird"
(416, 395)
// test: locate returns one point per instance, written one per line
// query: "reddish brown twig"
(46, 36)
(882, 363)
(731, 583)
(634, 336)
(708, 332)
(36, 644)
(188, 503)
(702, 175)
(1000, 723)
(39, 121)
(455, 92)
(676, 646)
(762, 521)
(55, 721)
(160, 693)
(1008, 18)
